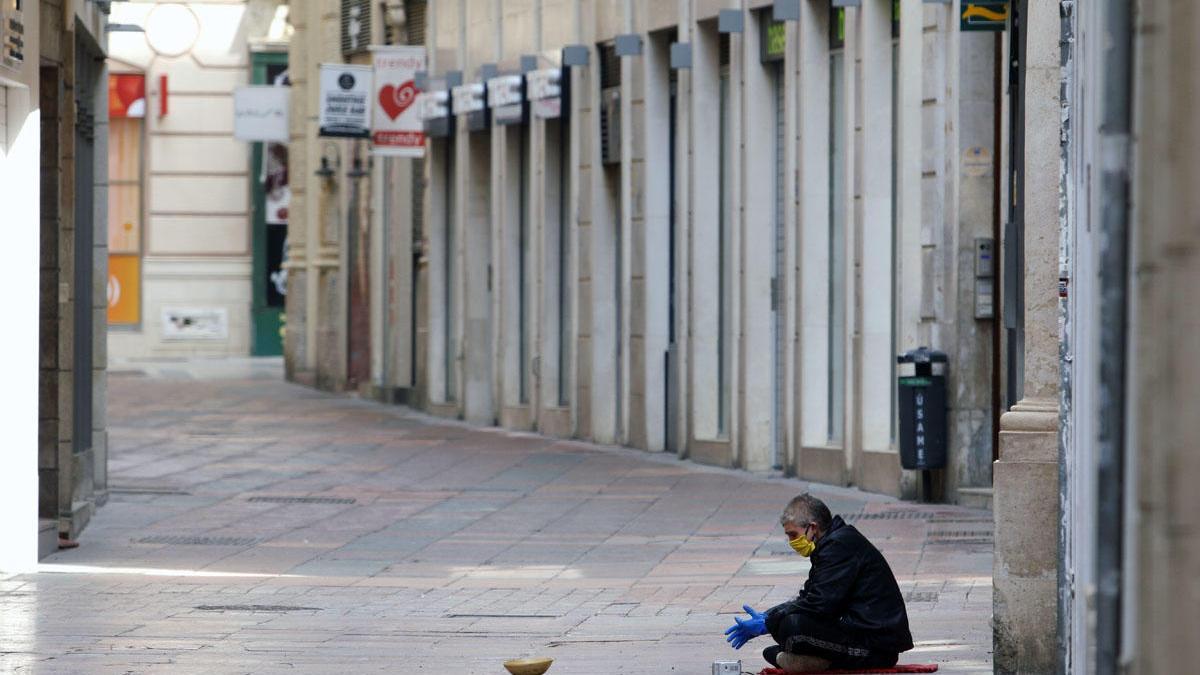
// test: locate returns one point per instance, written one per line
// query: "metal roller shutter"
(414, 13)
(356, 26)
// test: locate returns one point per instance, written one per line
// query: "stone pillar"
(1026, 475)
(298, 336)
(1163, 466)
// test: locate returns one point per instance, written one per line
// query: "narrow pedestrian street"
(257, 526)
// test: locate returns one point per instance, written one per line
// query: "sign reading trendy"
(396, 124)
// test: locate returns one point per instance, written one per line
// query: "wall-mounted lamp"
(356, 169)
(331, 160)
(325, 171)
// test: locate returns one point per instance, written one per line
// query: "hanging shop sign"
(506, 98)
(126, 95)
(774, 39)
(396, 123)
(124, 289)
(837, 27)
(260, 113)
(544, 90)
(469, 100)
(435, 112)
(984, 15)
(345, 101)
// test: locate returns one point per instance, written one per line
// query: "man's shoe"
(802, 663)
(770, 654)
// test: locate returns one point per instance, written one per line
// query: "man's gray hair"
(804, 509)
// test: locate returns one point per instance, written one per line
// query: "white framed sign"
(434, 104)
(545, 83)
(396, 124)
(260, 113)
(504, 90)
(468, 98)
(545, 92)
(345, 101)
(505, 94)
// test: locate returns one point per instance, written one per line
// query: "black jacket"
(851, 583)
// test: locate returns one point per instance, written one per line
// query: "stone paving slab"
(462, 547)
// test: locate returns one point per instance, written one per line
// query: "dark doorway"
(50, 413)
(87, 71)
(1013, 287)
(270, 196)
(671, 398)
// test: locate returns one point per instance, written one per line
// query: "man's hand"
(745, 630)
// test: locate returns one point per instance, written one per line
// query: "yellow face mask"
(802, 545)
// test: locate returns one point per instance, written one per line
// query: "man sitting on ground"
(850, 613)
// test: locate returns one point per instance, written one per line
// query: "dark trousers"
(801, 633)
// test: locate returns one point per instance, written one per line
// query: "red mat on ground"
(905, 668)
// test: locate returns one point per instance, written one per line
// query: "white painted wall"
(653, 265)
(813, 217)
(20, 193)
(874, 224)
(196, 224)
(757, 223)
(705, 231)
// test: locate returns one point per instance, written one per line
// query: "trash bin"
(922, 408)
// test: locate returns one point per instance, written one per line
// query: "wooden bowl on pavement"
(528, 666)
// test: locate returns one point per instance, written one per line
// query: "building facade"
(718, 256)
(197, 220)
(53, 185)
(354, 231)
(1127, 536)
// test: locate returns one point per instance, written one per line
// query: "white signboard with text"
(260, 113)
(545, 92)
(345, 101)
(396, 127)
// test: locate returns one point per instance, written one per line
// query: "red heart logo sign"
(395, 100)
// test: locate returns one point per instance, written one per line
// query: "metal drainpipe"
(1115, 114)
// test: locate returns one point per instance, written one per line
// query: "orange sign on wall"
(124, 290)
(126, 95)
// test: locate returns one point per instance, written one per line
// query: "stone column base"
(1026, 512)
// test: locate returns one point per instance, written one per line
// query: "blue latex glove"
(745, 630)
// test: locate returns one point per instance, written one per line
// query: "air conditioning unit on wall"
(610, 125)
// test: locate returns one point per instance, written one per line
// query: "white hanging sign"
(345, 101)
(260, 113)
(468, 98)
(396, 125)
(434, 104)
(545, 92)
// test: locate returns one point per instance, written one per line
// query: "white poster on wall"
(345, 101)
(396, 127)
(260, 113)
(195, 323)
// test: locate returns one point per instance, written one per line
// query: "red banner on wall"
(126, 95)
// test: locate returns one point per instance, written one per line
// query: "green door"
(270, 197)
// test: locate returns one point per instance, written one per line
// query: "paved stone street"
(261, 527)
